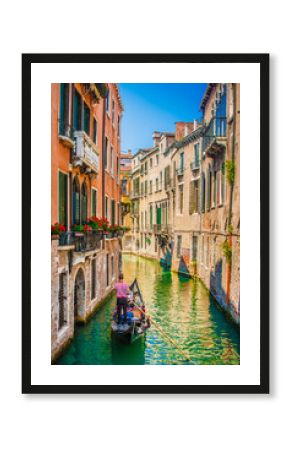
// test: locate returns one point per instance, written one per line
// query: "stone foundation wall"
(79, 304)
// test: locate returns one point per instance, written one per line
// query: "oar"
(187, 357)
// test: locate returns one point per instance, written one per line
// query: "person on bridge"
(122, 290)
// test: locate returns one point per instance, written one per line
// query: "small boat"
(137, 323)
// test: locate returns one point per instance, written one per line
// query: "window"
(180, 198)
(214, 190)
(157, 184)
(62, 198)
(87, 119)
(196, 156)
(203, 194)
(64, 125)
(118, 169)
(108, 102)
(76, 202)
(151, 163)
(106, 153)
(112, 161)
(202, 249)
(77, 107)
(208, 190)
(194, 196)
(160, 180)
(112, 267)
(194, 248)
(145, 168)
(107, 207)
(112, 212)
(95, 131)
(93, 279)
(107, 269)
(113, 112)
(157, 160)
(84, 203)
(146, 187)
(124, 186)
(150, 186)
(62, 303)
(178, 249)
(94, 202)
(181, 162)
(119, 125)
(151, 216)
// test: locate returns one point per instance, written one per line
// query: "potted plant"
(56, 229)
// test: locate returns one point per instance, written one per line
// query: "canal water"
(181, 306)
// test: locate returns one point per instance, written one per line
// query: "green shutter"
(62, 198)
(94, 202)
(191, 197)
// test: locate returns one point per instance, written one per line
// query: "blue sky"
(156, 107)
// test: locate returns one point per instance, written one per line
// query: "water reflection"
(183, 309)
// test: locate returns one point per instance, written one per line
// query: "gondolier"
(136, 321)
(122, 290)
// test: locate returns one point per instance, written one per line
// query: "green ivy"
(230, 170)
(227, 251)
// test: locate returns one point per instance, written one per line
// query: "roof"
(206, 95)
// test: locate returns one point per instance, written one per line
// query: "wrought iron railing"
(180, 171)
(82, 242)
(217, 128)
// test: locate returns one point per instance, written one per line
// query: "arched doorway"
(84, 202)
(79, 295)
(76, 201)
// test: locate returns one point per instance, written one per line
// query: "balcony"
(214, 140)
(82, 242)
(85, 152)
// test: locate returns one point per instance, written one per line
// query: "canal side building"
(126, 204)
(186, 197)
(85, 182)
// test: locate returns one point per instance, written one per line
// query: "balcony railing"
(85, 151)
(82, 242)
(215, 135)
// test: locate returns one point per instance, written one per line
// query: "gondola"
(137, 323)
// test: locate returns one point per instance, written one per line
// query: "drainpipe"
(229, 238)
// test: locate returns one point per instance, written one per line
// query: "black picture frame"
(263, 61)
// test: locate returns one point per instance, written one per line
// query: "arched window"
(76, 201)
(84, 202)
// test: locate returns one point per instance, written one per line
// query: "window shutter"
(191, 197)
(62, 198)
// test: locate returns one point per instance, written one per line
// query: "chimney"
(156, 138)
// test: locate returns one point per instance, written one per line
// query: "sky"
(152, 107)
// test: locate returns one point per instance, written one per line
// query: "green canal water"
(183, 309)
